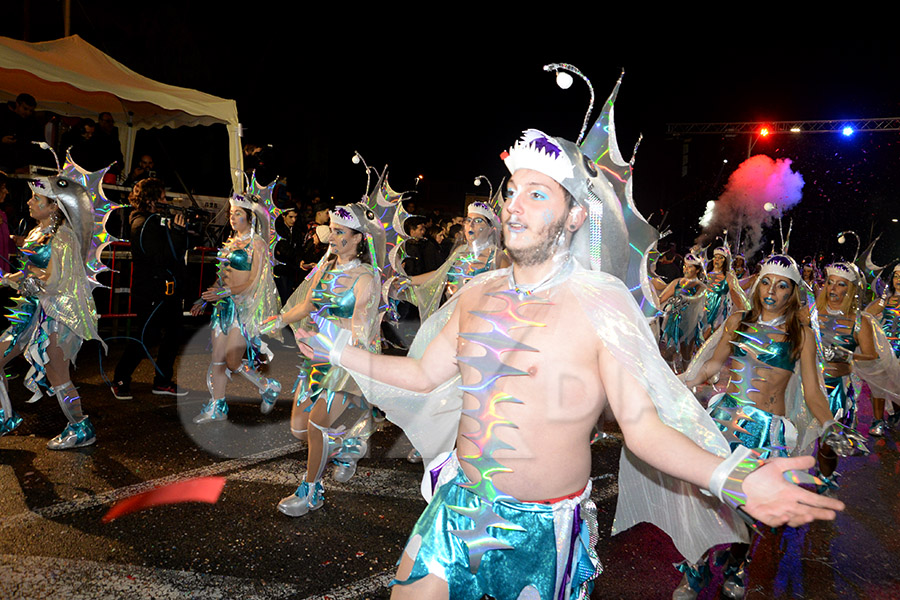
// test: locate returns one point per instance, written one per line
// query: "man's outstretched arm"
(770, 498)
(438, 363)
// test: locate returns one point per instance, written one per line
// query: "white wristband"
(340, 342)
(720, 474)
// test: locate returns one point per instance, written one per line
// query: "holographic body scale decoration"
(757, 343)
(890, 324)
(839, 335)
(468, 266)
(496, 342)
(327, 296)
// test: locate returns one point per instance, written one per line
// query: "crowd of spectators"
(94, 145)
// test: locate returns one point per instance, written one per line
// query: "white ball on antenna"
(841, 239)
(563, 80)
(769, 206)
(477, 181)
(355, 159)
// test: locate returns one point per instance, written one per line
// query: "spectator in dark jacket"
(157, 248)
(288, 252)
(422, 255)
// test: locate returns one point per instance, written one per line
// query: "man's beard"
(544, 247)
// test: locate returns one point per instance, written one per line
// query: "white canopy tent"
(72, 78)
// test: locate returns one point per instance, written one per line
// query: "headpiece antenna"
(564, 80)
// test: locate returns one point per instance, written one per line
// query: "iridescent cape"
(260, 300)
(695, 522)
(883, 373)
(67, 296)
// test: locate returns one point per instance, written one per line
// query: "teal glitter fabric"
(240, 260)
(503, 573)
(715, 300)
(756, 423)
(777, 355)
(838, 397)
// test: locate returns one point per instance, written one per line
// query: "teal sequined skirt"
(224, 315)
(841, 397)
(225, 318)
(761, 429)
(29, 331)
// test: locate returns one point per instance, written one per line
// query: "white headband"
(480, 208)
(543, 158)
(844, 270)
(774, 265)
(342, 215)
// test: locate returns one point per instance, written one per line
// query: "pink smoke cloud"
(741, 209)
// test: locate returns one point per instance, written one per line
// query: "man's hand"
(178, 220)
(775, 501)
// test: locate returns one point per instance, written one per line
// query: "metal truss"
(754, 127)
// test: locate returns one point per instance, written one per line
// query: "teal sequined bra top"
(36, 252)
(336, 304)
(240, 260)
(775, 354)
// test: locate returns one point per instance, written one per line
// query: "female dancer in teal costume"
(244, 295)
(56, 312)
(723, 293)
(343, 289)
(758, 410)
(846, 336)
(480, 254)
(887, 310)
(682, 308)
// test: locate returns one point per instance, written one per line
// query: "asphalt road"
(53, 544)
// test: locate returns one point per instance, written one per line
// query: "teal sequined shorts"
(761, 429)
(554, 552)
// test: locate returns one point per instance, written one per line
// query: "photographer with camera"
(145, 169)
(157, 248)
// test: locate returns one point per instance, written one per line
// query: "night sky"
(443, 95)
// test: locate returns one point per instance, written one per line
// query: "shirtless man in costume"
(542, 349)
